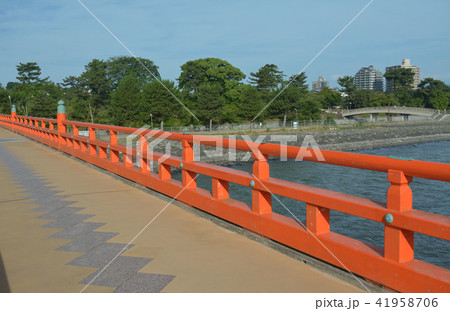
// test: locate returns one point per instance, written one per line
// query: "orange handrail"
(415, 168)
(393, 266)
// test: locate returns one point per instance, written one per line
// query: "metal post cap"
(388, 218)
(61, 108)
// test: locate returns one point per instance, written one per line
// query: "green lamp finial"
(61, 108)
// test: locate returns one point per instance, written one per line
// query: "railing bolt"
(181, 165)
(252, 183)
(388, 218)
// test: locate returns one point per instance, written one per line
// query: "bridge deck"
(61, 222)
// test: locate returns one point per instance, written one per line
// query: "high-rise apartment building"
(368, 78)
(319, 84)
(406, 63)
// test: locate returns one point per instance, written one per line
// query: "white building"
(319, 84)
(406, 63)
(368, 78)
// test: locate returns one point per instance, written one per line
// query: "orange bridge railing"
(393, 266)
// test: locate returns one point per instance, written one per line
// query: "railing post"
(61, 116)
(188, 178)
(113, 154)
(76, 143)
(42, 133)
(164, 171)
(13, 117)
(92, 147)
(51, 127)
(261, 200)
(317, 219)
(127, 157)
(143, 148)
(398, 243)
(102, 152)
(220, 190)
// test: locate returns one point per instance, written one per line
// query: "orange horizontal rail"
(393, 266)
(415, 168)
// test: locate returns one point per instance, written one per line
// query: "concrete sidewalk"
(62, 222)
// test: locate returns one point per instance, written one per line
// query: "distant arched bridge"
(405, 111)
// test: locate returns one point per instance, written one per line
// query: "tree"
(400, 78)
(362, 98)
(158, 104)
(329, 98)
(299, 81)
(401, 81)
(433, 94)
(96, 85)
(210, 102)
(439, 101)
(10, 85)
(208, 71)
(309, 107)
(381, 99)
(30, 87)
(76, 99)
(119, 67)
(267, 78)
(125, 102)
(71, 82)
(44, 101)
(4, 101)
(348, 86)
(288, 101)
(249, 102)
(29, 73)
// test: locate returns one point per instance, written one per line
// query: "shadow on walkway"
(4, 285)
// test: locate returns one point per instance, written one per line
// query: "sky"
(62, 37)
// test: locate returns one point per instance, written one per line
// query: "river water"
(428, 195)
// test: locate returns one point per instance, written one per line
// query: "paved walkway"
(62, 222)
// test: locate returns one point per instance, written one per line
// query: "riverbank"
(386, 135)
(339, 139)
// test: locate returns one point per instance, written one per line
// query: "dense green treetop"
(29, 73)
(348, 87)
(329, 98)
(401, 77)
(267, 78)
(208, 71)
(125, 102)
(299, 81)
(10, 85)
(347, 84)
(159, 105)
(95, 78)
(144, 70)
(434, 94)
(402, 86)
